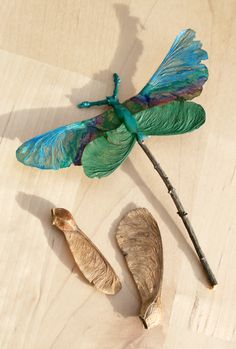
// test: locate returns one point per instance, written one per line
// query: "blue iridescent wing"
(63, 146)
(102, 156)
(181, 75)
(173, 118)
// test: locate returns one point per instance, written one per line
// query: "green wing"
(171, 119)
(103, 155)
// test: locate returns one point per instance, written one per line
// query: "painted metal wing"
(171, 119)
(102, 156)
(63, 146)
(181, 75)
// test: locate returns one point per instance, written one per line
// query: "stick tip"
(213, 287)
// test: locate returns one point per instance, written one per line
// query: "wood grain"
(53, 55)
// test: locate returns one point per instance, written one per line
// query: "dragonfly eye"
(111, 100)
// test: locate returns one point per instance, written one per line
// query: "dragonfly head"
(111, 100)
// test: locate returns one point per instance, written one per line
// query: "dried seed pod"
(139, 239)
(89, 259)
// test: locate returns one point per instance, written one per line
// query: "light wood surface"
(53, 55)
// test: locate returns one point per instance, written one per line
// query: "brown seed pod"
(89, 259)
(139, 239)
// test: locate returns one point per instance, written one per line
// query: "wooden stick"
(183, 215)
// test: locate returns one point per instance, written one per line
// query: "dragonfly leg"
(116, 79)
(108, 100)
(87, 104)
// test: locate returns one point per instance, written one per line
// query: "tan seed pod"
(139, 239)
(89, 259)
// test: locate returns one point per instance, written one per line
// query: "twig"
(183, 215)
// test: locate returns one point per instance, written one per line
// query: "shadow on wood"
(37, 120)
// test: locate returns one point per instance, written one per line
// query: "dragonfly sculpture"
(162, 107)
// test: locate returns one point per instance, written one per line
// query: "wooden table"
(53, 55)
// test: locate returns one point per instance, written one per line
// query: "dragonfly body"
(123, 113)
(130, 122)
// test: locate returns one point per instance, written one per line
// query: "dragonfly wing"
(103, 155)
(63, 146)
(181, 75)
(171, 119)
